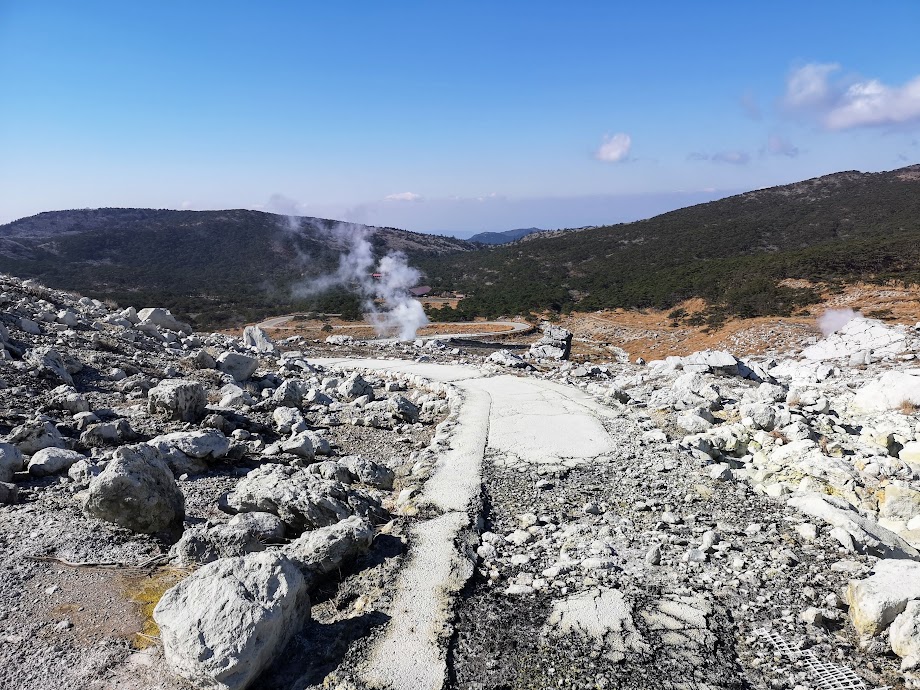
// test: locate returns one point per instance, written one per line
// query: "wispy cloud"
(750, 106)
(731, 157)
(778, 145)
(697, 156)
(615, 148)
(809, 86)
(850, 102)
(403, 196)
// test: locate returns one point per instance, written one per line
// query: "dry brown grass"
(908, 408)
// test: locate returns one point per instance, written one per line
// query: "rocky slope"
(241, 513)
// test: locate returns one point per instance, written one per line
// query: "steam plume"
(387, 300)
(833, 320)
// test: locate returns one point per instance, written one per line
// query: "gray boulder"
(226, 623)
(186, 452)
(556, 343)
(867, 536)
(9, 493)
(403, 408)
(177, 399)
(506, 358)
(324, 550)
(207, 543)
(11, 461)
(108, 433)
(267, 527)
(163, 318)
(49, 363)
(257, 339)
(136, 490)
(288, 419)
(240, 367)
(50, 461)
(355, 387)
(301, 499)
(34, 435)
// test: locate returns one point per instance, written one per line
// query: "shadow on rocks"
(319, 649)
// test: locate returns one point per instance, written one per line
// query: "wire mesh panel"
(824, 675)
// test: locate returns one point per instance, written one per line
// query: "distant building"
(420, 291)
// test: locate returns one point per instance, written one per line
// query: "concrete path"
(536, 422)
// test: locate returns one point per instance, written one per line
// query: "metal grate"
(825, 675)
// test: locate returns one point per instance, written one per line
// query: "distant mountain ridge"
(502, 237)
(226, 266)
(737, 253)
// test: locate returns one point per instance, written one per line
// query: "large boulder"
(323, 550)
(207, 543)
(258, 340)
(506, 358)
(178, 399)
(867, 536)
(878, 599)
(11, 461)
(34, 435)
(301, 499)
(48, 362)
(162, 318)
(240, 367)
(904, 636)
(556, 343)
(186, 452)
(859, 335)
(888, 392)
(136, 490)
(355, 387)
(226, 623)
(50, 461)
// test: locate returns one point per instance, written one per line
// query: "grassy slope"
(731, 252)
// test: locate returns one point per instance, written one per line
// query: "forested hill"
(732, 252)
(219, 266)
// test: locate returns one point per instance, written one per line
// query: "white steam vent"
(833, 320)
(384, 288)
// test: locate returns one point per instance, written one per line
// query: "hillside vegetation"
(226, 267)
(218, 267)
(733, 253)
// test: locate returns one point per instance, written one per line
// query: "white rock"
(257, 339)
(869, 536)
(904, 636)
(136, 490)
(178, 399)
(50, 461)
(163, 318)
(888, 392)
(32, 436)
(877, 600)
(239, 366)
(226, 623)
(11, 461)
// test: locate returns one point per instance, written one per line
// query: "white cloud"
(403, 196)
(615, 148)
(733, 157)
(850, 102)
(780, 146)
(872, 103)
(809, 86)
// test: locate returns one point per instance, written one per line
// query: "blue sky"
(446, 116)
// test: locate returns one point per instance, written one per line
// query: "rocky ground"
(189, 510)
